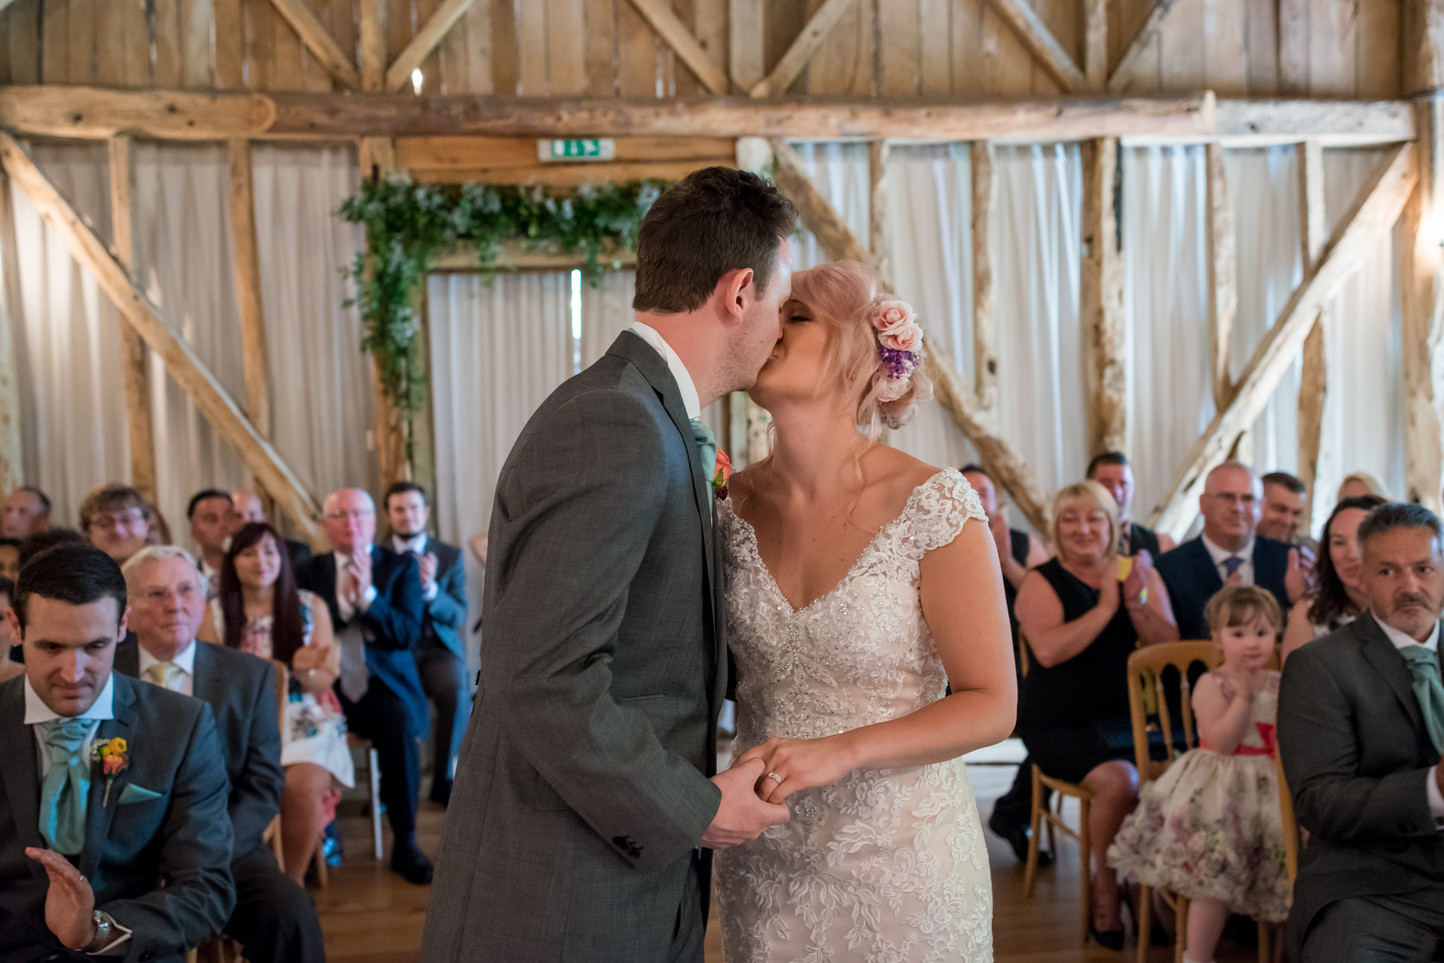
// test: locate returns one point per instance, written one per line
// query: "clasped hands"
(755, 789)
(69, 903)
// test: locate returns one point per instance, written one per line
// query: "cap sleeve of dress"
(937, 510)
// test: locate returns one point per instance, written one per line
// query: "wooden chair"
(373, 784)
(1146, 671)
(1042, 816)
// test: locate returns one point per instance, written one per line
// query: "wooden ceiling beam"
(1132, 57)
(414, 54)
(318, 40)
(800, 54)
(671, 29)
(1039, 40)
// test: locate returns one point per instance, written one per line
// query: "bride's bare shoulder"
(898, 472)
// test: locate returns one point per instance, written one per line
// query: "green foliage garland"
(409, 227)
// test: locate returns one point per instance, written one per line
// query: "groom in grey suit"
(1360, 728)
(585, 799)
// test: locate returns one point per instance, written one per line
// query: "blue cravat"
(707, 447)
(1424, 666)
(1231, 565)
(66, 787)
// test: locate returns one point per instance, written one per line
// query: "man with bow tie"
(114, 838)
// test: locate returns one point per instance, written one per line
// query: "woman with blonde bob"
(1083, 614)
(861, 583)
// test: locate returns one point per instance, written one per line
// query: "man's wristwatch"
(104, 932)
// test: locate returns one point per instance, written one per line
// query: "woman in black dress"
(1083, 616)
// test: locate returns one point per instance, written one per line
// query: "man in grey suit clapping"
(585, 798)
(1360, 729)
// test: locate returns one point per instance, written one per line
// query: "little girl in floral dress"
(1210, 827)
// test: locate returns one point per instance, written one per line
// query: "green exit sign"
(583, 149)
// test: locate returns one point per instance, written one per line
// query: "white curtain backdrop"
(67, 333)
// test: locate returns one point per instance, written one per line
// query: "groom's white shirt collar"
(685, 384)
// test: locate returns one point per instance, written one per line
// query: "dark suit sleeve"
(1321, 760)
(394, 616)
(256, 796)
(195, 857)
(449, 606)
(577, 534)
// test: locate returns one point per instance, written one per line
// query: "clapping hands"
(1299, 576)
(427, 564)
(70, 902)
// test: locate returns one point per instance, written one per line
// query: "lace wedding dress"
(886, 865)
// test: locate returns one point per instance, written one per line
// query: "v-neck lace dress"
(885, 865)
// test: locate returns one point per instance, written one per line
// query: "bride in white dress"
(858, 589)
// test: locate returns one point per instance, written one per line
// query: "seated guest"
(1111, 470)
(260, 611)
(1338, 596)
(9, 668)
(247, 507)
(116, 520)
(1284, 498)
(440, 656)
(1082, 623)
(10, 558)
(158, 530)
(209, 513)
(374, 596)
(1360, 730)
(1017, 552)
(33, 545)
(1360, 483)
(273, 919)
(137, 858)
(1228, 551)
(27, 512)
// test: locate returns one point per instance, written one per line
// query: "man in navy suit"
(133, 863)
(1228, 549)
(376, 607)
(441, 656)
(273, 920)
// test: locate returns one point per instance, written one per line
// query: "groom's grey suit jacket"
(1357, 756)
(582, 787)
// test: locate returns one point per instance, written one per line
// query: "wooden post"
(133, 353)
(1423, 307)
(246, 267)
(1313, 383)
(1422, 64)
(1102, 298)
(877, 152)
(1095, 44)
(378, 158)
(1222, 276)
(373, 44)
(180, 359)
(985, 325)
(12, 466)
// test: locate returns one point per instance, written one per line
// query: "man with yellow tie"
(114, 840)
(273, 920)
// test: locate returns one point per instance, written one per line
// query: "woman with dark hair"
(1338, 597)
(259, 610)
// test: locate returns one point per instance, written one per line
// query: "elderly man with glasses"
(377, 607)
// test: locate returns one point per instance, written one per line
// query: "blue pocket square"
(134, 794)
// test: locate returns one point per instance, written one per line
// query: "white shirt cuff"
(367, 597)
(430, 594)
(1436, 799)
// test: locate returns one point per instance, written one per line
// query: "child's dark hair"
(1240, 605)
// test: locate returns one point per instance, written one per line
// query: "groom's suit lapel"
(654, 368)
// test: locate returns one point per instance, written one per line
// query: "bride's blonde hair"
(847, 296)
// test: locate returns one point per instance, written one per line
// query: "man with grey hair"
(1360, 730)
(377, 607)
(273, 919)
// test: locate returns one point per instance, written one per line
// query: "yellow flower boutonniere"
(113, 758)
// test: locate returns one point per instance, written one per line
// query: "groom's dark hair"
(716, 220)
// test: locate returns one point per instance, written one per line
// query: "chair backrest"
(1146, 675)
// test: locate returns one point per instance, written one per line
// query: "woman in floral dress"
(259, 610)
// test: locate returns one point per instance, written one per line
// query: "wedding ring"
(775, 778)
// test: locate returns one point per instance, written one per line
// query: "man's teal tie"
(1424, 665)
(707, 446)
(66, 787)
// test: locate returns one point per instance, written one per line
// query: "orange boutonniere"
(721, 475)
(113, 761)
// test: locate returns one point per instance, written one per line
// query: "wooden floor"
(370, 915)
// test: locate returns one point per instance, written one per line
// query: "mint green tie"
(66, 788)
(1424, 665)
(707, 446)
